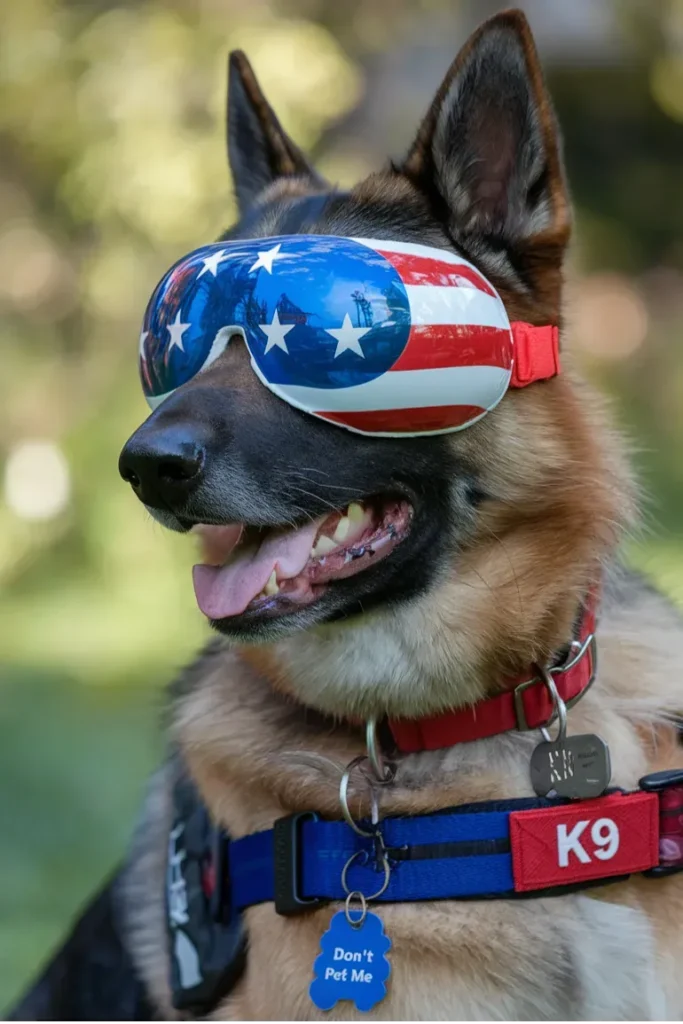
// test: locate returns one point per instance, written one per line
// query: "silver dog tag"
(577, 767)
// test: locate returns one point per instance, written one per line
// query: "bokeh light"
(609, 317)
(37, 480)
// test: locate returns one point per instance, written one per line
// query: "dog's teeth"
(323, 546)
(355, 512)
(271, 588)
(343, 527)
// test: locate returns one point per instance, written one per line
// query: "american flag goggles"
(384, 338)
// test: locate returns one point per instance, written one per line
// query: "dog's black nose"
(163, 464)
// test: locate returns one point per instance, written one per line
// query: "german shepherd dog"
(509, 525)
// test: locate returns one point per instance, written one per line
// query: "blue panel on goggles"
(384, 338)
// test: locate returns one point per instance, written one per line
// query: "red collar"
(527, 704)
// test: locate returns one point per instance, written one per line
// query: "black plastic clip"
(286, 862)
(661, 780)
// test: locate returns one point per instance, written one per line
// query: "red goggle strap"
(537, 353)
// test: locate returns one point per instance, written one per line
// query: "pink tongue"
(226, 590)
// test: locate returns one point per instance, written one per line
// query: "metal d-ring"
(384, 773)
(559, 708)
(344, 800)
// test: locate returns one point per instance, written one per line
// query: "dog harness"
(546, 845)
(380, 337)
(508, 849)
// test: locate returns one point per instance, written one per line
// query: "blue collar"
(530, 846)
(507, 849)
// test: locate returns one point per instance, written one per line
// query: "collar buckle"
(287, 863)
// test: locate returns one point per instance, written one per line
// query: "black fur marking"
(538, 188)
(301, 215)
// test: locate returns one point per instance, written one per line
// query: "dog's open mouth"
(275, 571)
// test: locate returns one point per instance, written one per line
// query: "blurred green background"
(112, 164)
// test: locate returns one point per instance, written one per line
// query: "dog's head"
(475, 546)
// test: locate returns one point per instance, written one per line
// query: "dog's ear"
(488, 151)
(259, 149)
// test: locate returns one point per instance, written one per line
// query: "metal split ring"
(387, 875)
(344, 800)
(356, 922)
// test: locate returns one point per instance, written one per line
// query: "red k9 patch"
(613, 835)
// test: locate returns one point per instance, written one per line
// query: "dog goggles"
(382, 338)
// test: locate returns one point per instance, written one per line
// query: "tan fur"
(561, 498)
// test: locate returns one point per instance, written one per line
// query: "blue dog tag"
(351, 964)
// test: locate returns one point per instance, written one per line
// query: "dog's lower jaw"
(412, 660)
(386, 662)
